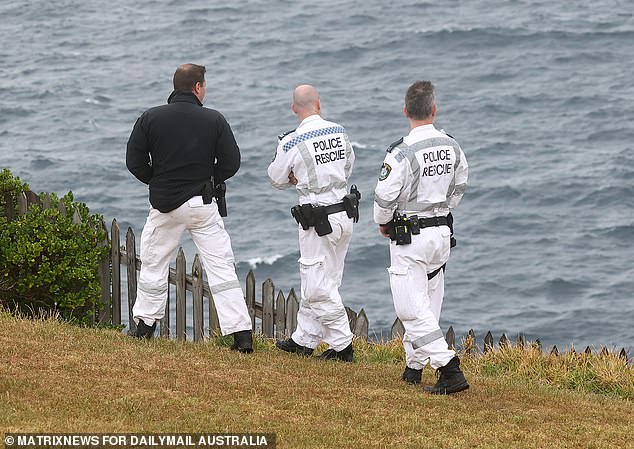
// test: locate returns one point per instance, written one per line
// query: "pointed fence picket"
(274, 316)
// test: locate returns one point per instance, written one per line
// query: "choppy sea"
(538, 93)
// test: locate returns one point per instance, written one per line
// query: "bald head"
(306, 101)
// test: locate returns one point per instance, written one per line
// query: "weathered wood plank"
(197, 294)
(76, 217)
(352, 318)
(250, 296)
(292, 306)
(504, 341)
(32, 199)
(398, 330)
(361, 326)
(9, 206)
(268, 298)
(451, 338)
(115, 257)
(61, 207)
(521, 341)
(105, 312)
(488, 342)
(280, 315)
(164, 324)
(181, 296)
(130, 251)
(23, 204)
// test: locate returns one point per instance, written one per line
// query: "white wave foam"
(270, 260)
(359, 145)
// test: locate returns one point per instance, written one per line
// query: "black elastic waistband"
(427, 222)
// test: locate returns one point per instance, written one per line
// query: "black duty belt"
(334, 208)
(428, 222)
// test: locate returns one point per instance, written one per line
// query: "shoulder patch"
(281, 136)
(394, 145)
(385, 171)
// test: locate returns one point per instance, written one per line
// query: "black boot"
(242, 342)
(289, 345)
(143, 330)
(451, 380)
(412, 376)
(344, 355)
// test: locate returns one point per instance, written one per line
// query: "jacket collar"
(310, 118)
(186, 97)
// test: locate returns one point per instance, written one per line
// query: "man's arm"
(137, 154)
(227, 153)
(461, 177)
(388, 188)
(280, 170)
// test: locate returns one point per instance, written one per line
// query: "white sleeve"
(460, 178)
(280, 168)
(393, 176)
(350, 157)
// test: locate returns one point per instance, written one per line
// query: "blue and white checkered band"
(311, 134)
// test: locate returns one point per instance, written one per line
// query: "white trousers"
(160, 238)
(418, 300)
(321, 314)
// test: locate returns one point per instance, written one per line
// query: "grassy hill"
(59, 378)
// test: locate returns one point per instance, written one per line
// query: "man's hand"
(384, 230)
(292, 179)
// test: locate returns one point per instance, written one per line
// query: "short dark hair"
(187, 75)
(419, 100)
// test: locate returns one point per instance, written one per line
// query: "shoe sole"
(292, 351)
(347, 360)
(456, 389)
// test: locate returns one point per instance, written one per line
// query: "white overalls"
(160, 238)
(424, 175)
(320, 156)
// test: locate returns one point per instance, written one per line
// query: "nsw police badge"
(385, 171)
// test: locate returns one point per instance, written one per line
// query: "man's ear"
(405, 111)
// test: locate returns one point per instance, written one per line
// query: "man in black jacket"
(176, 149)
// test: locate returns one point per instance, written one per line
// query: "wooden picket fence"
(275, 315)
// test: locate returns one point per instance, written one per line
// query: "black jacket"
(177, 147)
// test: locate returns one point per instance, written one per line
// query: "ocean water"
(539, 94)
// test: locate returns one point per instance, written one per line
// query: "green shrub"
(48, 261)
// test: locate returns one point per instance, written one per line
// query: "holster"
(220, 191)
(322, 225)
(303, 215)
(403, 227)
(211, 189)
(308, 215)
(351, 203)
(400, 229)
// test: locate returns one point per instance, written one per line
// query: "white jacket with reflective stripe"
(425, 175)
(320, 156)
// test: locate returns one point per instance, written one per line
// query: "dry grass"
(59, 378)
